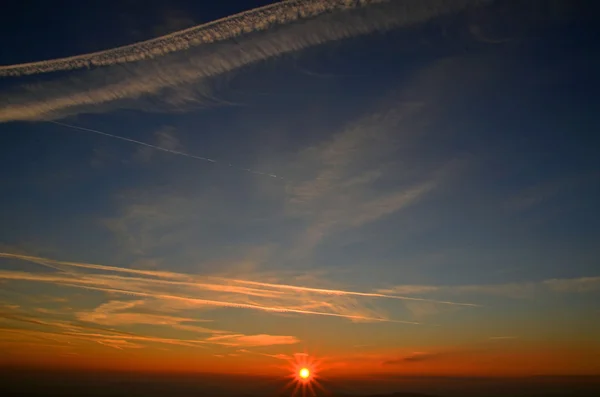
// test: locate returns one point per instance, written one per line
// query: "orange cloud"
(207, 291)
(253, 340)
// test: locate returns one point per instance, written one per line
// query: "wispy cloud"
(411, 358)
(253, 340)
(115, 313)
(167, 279)
(548, 190)
(335, 292)
(366, 171)
(111, 340)
(438, 354)
(341, 192)
(174, 289)
(159, 299)
(582, 284)
(510, 290)
(421, 310)
(61, 331)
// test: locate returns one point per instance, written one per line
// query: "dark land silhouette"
(28, 382)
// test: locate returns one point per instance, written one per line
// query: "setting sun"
(304, 373)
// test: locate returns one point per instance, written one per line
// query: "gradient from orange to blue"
(420, 201)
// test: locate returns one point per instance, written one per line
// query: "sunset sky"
(388, 187)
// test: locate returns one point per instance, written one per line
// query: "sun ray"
(303, 375)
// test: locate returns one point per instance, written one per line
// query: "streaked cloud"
(545, 191)
(411, 289)
(582, 284)
(411, 358)
(161, 299)
(64, 332)
(341, 194)
(112, 314)
(117, 313)
(253, 340)
(201, 292)
(510, 290)
(421, 310)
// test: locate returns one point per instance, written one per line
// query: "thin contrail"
(176, 152)
(152, 273)
(74, 283)
(188, 278)
(343, 292)
(219, 303)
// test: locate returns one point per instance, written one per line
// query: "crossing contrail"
(200, 290)
(200, 281)
(176, 152)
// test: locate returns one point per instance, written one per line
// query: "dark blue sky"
(37, 30)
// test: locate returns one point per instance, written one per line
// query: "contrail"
(255, 20)
(343, 292)
(152, 273)
(90, 336)
(176, 152)
(189, 278)
(321, 24)
(276, 309)
(208, 302)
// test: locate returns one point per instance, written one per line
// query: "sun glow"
(304, 375)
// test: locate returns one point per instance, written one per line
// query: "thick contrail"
(256, 20)
(176, 152)
(320, 25)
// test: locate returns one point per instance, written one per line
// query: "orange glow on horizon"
(514, 359)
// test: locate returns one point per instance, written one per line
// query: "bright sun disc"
(304, 373)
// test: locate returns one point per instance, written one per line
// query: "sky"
(383, 187)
